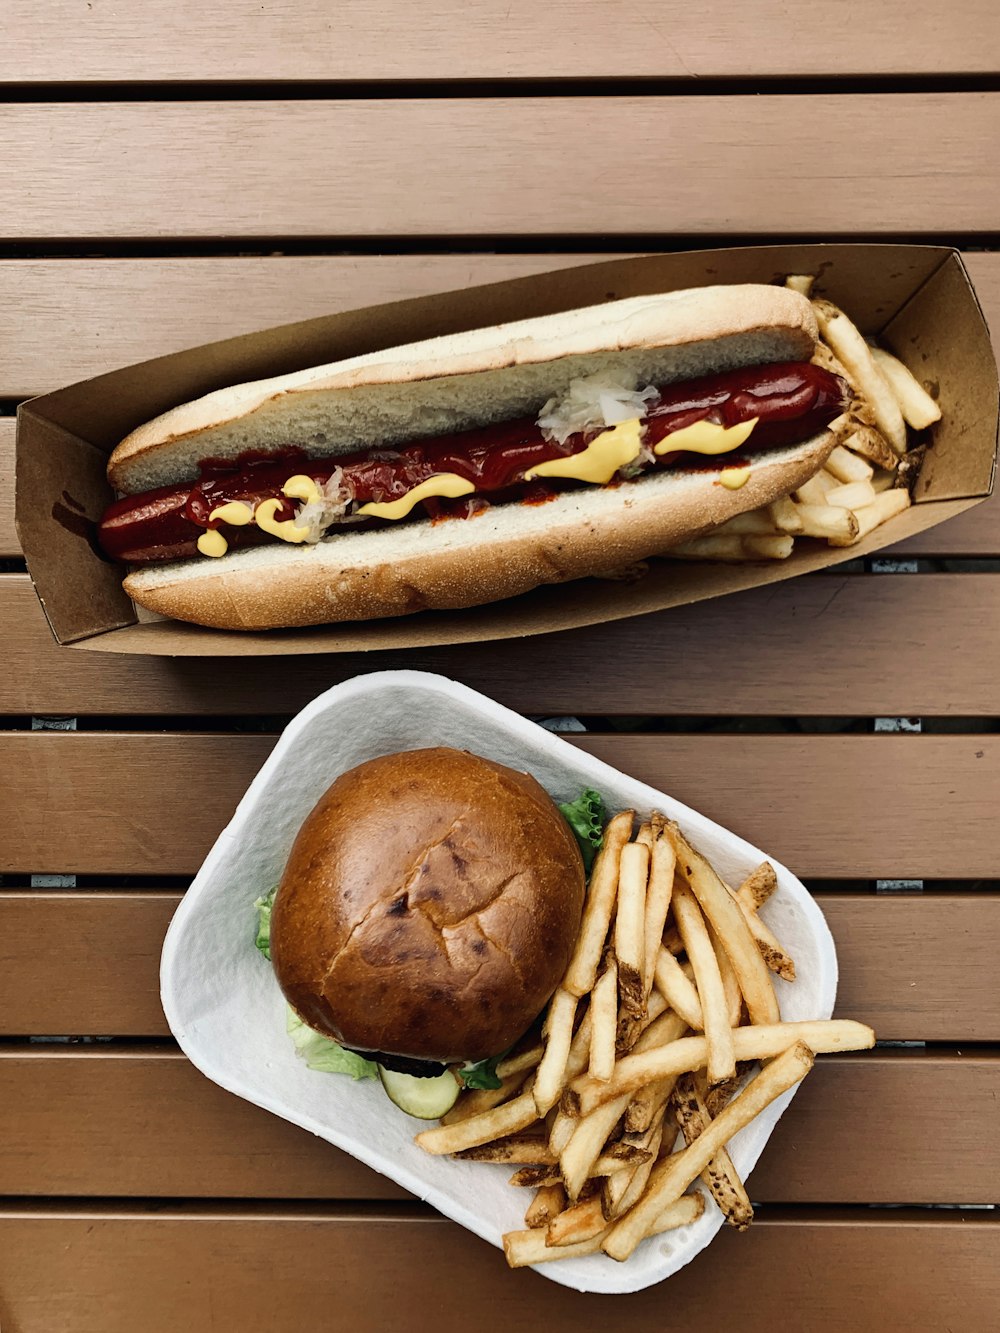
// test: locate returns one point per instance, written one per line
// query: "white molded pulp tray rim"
(202, 911)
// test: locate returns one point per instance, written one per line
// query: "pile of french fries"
(666, 1005)
(868, 477)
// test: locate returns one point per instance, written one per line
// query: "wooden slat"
(92, 1271)
(518, 166)
(128, 310)
(9, 545)
(851, 806)
(917, 967)
(59, 42)
(867, 1129)
(818, 645)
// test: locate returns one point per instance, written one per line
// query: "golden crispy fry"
(694, 933)
(524, 1060)
(847, 467)
(658, 894)
(724, 916)
(754, 523)
(801, 283)
(851, 495)
(784, 515)
(476, 1100)
(561, 1132)
(673, 1176)
(720, 1175)
(517, 1149)
(630, 927)
(645, 835)
(604, 1021)
(673, 984)
(771, 950)
(581, 1221)
(582, 971)
(758, 886)
(917, 406)
(823, 520)
(690, 1053)
(716, 546)
(548, 1203)
(510, 1118)
(526, 1248)
(855, 354)
(813, 492)
(551, 1073)
(644, 1107)
(886, 506)
(769, 548)
(872, 445)
(730, 984)
(621, 1191)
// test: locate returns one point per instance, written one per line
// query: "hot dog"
(335, 494)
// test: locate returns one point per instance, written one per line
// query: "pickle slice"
(425, 1098)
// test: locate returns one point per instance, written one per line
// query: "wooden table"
(173, 174)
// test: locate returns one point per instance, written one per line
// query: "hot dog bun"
(507, 550)
(469, 379)
(454, 383)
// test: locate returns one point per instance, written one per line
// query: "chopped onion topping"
(317, 515)
(592, 403)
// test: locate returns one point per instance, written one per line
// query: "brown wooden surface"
(707, 659)
(247, 169)
(240, 39)
(92, 1270)
(914, 966)
(832, 806)
(862, 1129)
(129, 310)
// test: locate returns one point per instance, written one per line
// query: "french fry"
(645, 1106)
(784, 515)
(523, 1249)
(870, 444)
(851, 495)
(801, 283)
(771, 950)
(582, 971)
(604, 1021)
(847, 467)
(677, 990)
(823, 356)
(687, 1054)
(675, 1174)
(917, 406)
(510, 1118)
(694, 933)
(756, 523)
(769, 548)
(476, 1100)
(730, 984)
(581, 1221)
(645, 835)
(621, 1191)
(725, 917)
(719, 1175)
(886, 506)
(561, 1132)
(527, 1149)
(548, 1203)
(538, 1176)
(813, 492)
(758, 886)
(551, 1073)
(822, 520)
(521, 1060)
(716, 546)
(851, 349)
(630, 927)
(659, 891)
(883, 481)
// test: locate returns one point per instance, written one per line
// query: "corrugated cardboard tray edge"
(918, 299)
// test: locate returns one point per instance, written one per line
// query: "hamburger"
(427, 911)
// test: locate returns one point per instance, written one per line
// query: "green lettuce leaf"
(586, 817)
(484, 1074)
(324, 1055)
(263, 906)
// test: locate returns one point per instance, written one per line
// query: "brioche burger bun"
(428, 909)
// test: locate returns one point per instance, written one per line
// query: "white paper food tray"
(227, 1012)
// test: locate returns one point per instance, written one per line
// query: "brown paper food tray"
(917, 299)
